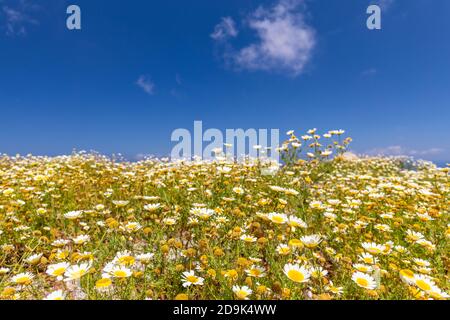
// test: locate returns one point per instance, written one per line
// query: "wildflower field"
(327, 227)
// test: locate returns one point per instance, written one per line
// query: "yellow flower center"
(363, 269)
(59, 271)
(295, 243)
(407, 273)
(129, 260)
(103, 283)
(255, 272)
(423, 285)
(120, 274)
(192, 279)
(277, 219)
(23, 280)
(362, 282)
(295, 275)
(78, 274)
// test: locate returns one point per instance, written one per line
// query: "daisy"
(100, 207)
(255, 271)
(333, 289)
(277, 218)
(437, 293)
(291, 192)
(426, 244)
(362, 267)
(316, 204)
(57, 270)
(150, 198)
(72, 215)
(423, 282)
(169, 221)
(132, 226)
(24, 278)
(364, 280)
(75, 272)
(81, 239)
(152, 207)
(60, 243)
(238, 190)
(329, 215)
(224, 169)
(318, 272)
(33, 259)
(423, 270)
(413, 236)
(424, 217)
(202, 213)
(120, 272)
(368, 258)
(145, 257)
(373, 248)
(222, 219)
(311, 241)
(189, 278)
(400, 249)
(120, 203)
(407, 276)
(242, 293)
(56, 295)
(248, 238)
(124, 258)
(297, 222)
(276, 188)
(283, 249)
(421, 262)
(296, 273)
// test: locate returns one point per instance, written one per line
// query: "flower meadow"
(324, 225)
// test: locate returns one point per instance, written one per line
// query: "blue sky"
(140, 69)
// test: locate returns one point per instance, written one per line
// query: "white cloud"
(284, 42)
(402, 151)
(225, 29)
(146, 84)
(17, 18)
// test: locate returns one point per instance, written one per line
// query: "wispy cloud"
(402, 151)
(384, 4)
(369, 72)
(284, 41)
(225, 29)
(146, 84)
(17, 17)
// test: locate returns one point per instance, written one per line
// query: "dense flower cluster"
(88, 227)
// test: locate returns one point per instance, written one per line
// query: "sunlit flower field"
(324, 225)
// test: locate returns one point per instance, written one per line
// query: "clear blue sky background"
(61, 89)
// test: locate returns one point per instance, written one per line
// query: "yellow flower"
(296, 273)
